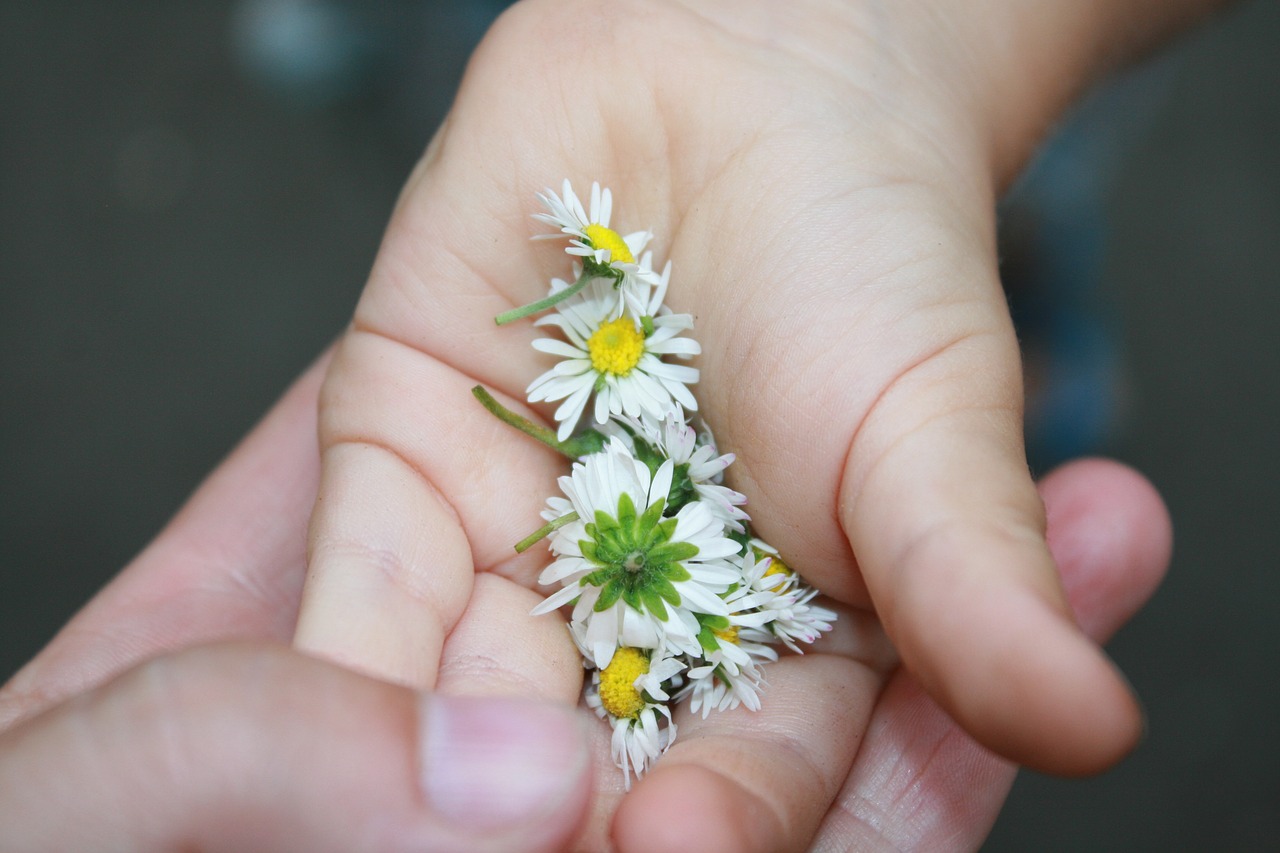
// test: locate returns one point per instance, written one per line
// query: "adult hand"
(245, 746)
(144, 727)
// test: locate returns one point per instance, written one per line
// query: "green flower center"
(637, 560)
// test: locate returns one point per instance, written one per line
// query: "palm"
(819, 275)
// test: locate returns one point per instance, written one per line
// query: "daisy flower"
(605, 253)
(631, 693)
(788, 601)
(734, 648)
(635, 577)
(618, 358)
(712, 688)
(699, 471)
(729, 675)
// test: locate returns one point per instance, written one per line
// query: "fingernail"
(492, 763)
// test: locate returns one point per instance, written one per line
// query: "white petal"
(660, 289)
(556, 600)
(716, 575)
(573, 205)
(630, 401)
(681, 394)
(680, 347)
(603, 629)
(676, 372)
(696, 597)
(636, 241)
(570, 411)
(599, 203)
(650, 395)
(555, 347)
(640, 630)
(661, 485)
(564, 568)
(602, 406)
(572, 366)
(665, 669)
(673, 321)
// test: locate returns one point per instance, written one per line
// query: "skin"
(143, 725)
(857, 353)
(823, 179)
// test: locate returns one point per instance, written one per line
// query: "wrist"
(1027, 62)
(989, 77)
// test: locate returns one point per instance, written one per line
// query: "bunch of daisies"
(672, 597)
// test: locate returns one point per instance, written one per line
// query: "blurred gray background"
(191, 197)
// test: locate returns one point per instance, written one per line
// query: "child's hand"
(823, 181)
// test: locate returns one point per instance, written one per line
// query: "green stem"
(510, 418)
(543, 304)
(545, 530)
(575, 448)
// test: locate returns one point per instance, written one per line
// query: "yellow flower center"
(606, 238)
(618, 693)
(728, 635)
(776, 567)
(616, 347)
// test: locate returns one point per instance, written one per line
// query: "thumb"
(242, 748)
(946, 523)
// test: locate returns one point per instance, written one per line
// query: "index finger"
(228, 566)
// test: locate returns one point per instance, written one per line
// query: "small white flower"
(631, 693)
(618, 357)
(699, 465)
(734, 648)
(718, 686)
(785, 598)
(604, 252)
(709, 690)
(638, 578)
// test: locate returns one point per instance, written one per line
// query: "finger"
(912, 463)
(229, 565)
(413, 467)
(760, 781)
(919, 448)
(1110, 532)
(763, 780)
(921, 783)
(421, 488)
(949, 531)
(497, 650)
(256, 748)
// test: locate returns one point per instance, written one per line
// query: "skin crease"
(851, 295)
